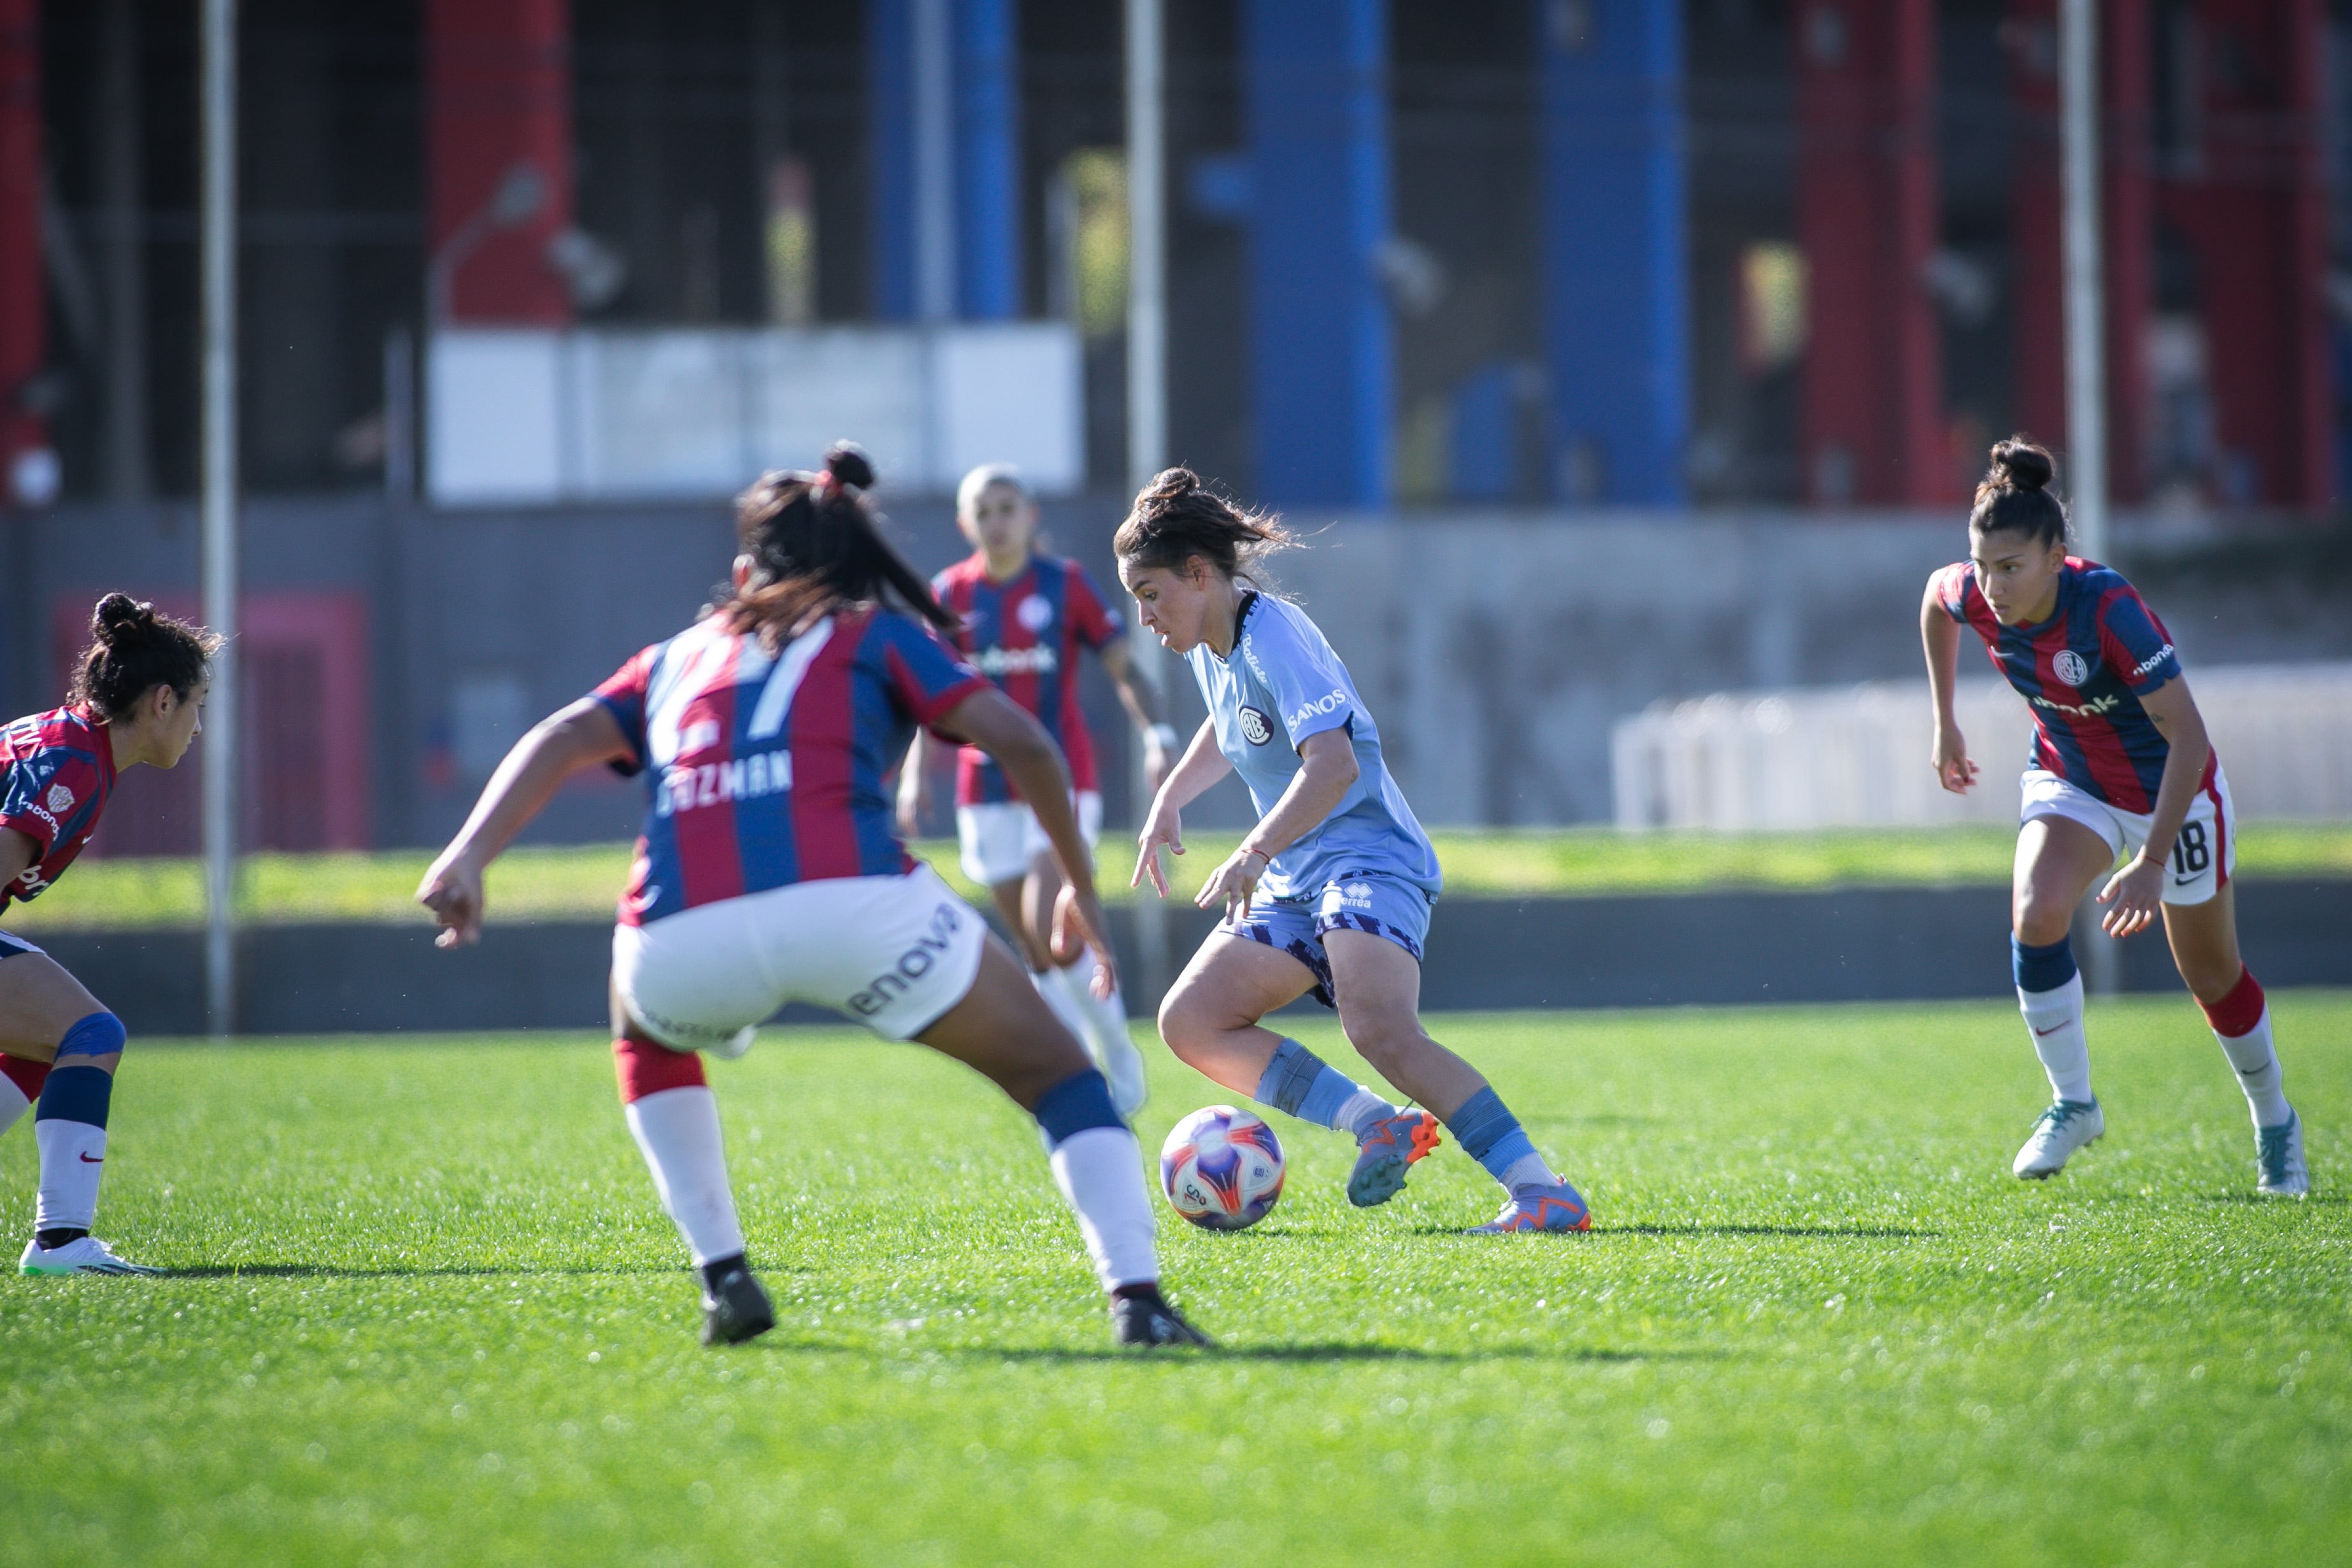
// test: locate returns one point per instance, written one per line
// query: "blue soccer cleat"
(1539, 1208)
(1385, 1150)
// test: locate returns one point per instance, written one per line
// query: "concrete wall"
(1495, 649)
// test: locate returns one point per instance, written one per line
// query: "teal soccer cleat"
(1386, 1148)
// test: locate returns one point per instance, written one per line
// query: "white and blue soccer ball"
(1222, 1168)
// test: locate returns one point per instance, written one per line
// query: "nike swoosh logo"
(2184, 881)
(88, 1161)
(2051, 1030)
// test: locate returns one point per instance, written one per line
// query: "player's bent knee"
(2038, 923)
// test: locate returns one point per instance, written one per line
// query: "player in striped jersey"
(1022, 617)
(2120, 764)
(138, 697)
(768, 873)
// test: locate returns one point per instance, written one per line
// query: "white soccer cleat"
(83, 1255)
(2065, 1127)
(2278, 1157)
(731, 1049)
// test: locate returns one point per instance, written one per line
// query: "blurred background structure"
(1633, 349)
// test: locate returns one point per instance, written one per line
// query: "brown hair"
(814, 544)
(1176, 517)
(133, 651)
(2014, 495)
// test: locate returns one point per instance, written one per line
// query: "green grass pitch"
(427, 1312)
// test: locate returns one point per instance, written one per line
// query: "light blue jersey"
(1282, 684)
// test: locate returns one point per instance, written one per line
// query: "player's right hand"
(914, 805)
(1165, 825)
(452, 890)
(1953, 769)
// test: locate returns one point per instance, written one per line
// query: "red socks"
(646, 1068)
(2237, 1012)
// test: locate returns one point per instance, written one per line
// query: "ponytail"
(2014, 495)
(813, 546)
(1176, 518)
(132, 650)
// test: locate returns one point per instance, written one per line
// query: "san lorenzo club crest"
(1037, 612)
(2070, 667)
(1257, 728)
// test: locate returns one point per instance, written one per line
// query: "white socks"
(1105, 1016)
(1100, 1173)
(2055, 1019)
(677, 1129)
(73, 1157)
(2259, 1074)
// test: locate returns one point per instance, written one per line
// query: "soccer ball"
(1222, 1168)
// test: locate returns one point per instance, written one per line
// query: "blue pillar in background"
(890, 138)
(988, 159)
(1314, 85)
(1615, 268)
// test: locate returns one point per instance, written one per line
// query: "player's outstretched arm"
(1326, 770)
(1142, 705)
(1941, 637)
(999, 726)
(564, 744)
(1203, 765)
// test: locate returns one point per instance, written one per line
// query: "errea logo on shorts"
(1331, 701)
(1357, 895)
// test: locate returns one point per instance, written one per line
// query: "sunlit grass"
(428, 1311)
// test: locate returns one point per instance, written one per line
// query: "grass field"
(582, 883)
(427, 1312)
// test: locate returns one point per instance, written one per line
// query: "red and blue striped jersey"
(1025, 635)
(2083, 671)
(764, 769)
(60, 774)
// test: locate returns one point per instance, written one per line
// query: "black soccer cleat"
(1146, 1318)
(735, 1308)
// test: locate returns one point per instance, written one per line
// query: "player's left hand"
(1234, 883)
(452, 890)
(2133, 896)
(1078, 919)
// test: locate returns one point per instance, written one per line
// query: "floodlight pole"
(1147, 379)
(219, 69)
(2087, 380)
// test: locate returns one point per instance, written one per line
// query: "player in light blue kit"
(1329, 893)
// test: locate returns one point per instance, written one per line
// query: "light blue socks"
(1299, 1083)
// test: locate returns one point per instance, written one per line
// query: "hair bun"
(1173, 484)
(119, 613)
(847, 463)
(2022, 465)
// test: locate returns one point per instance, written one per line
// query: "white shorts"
(1001, 839)
(892, 952)
(2203, 855)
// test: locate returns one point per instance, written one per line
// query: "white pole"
(2087, 380)
(1147, 379)
(1147, 246)
(220, 573)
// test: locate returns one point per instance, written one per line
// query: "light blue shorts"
(1371, 901)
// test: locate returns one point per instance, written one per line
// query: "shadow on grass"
(432, 1271)
(2256, 1200)
(1292, 1353)
(1834, 1231)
